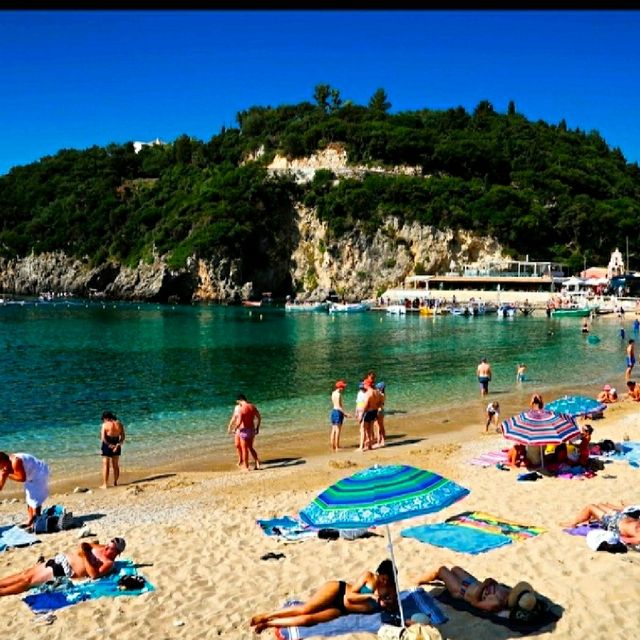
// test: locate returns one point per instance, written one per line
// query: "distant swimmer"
(484, 376)
(631, 358)
(585, 327)
(520, 371)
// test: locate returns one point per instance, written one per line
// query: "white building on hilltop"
(137, 146)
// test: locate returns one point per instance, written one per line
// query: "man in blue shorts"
(484, 376)
(337, 414)
(631, 359)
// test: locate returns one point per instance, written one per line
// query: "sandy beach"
(194, 535)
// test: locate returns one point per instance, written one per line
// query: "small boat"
(397, 309)
(349, 307)
(306, 306)
(580, 312)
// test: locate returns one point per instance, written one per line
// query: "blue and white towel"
(414, 601)
(287, 528)
(14, 536)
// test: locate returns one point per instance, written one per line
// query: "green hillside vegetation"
(540, 189)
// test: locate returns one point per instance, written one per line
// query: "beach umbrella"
(540, 427)
(380, 495)
(576, 406)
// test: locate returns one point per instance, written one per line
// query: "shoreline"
(298, 447)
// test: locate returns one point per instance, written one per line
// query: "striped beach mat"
(486, 522)
(490, 459)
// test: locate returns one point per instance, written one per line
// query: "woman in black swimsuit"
(111, 438)
(370, 593)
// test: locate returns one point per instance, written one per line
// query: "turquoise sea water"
(171, 373)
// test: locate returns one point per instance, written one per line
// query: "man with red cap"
(337, 414)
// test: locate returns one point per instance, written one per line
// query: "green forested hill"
(540, 189)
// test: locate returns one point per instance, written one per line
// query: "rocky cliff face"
(354, 266)
(303, 257)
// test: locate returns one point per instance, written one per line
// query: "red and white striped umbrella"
(540, 427)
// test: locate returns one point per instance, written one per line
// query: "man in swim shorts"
(369, 415)
(245, 422)
(484, 376)
(631, 358)
(89, 560)
(337, 414)
(23, 467)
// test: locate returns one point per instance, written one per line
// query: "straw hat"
(522, 596)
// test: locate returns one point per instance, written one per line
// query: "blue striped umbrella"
(540, 427)
(576, 406)
(380, 495)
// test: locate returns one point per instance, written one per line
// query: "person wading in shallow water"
(484, 376)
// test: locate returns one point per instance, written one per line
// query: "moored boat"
(397, 309)
(578, 312)
(306, 306)
(349, 307)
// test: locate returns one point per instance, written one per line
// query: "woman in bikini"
(370, 593)
(112, 436)
(489, 595)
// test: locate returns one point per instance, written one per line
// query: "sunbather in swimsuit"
(60, 566)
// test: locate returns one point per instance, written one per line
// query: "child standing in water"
(520, 369)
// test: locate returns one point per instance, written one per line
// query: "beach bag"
(413, 632)
(53, 519)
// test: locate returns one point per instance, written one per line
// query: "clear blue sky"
(73, 79)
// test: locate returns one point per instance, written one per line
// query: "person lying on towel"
(520, 602)
(623, 521)
(89, 560)
(370, 593)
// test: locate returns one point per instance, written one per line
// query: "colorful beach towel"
(550, 616)
(490, 459)
(486, 522)
(413, 601)
(13, 536)
(287, 528)
(452, 536)
(68, 592)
